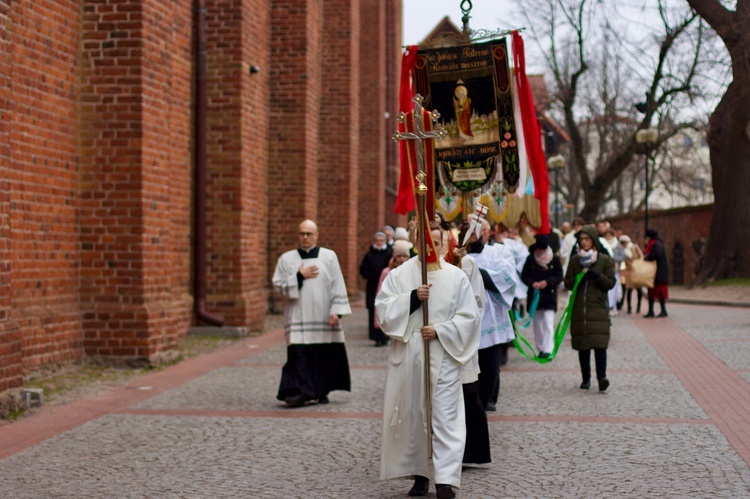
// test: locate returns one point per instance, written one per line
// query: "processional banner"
(487, 152)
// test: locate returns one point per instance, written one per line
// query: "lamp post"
(556, 163)
(647, 136)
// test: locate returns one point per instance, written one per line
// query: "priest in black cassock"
(311, 280)
(373, 263)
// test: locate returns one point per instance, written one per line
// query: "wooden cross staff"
(421, 136)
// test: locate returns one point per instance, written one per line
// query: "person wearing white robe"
(452, 331)
(498, 268)
(311, 280)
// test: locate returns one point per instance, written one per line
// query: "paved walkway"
(675, 423)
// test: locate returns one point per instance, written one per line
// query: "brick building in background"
(97, 162)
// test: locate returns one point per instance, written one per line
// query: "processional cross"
(420, 136)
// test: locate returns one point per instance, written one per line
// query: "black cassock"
(371, 267)
(477, 450)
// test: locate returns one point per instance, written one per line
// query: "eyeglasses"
(307, 234)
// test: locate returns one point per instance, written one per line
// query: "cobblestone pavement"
(675, 423)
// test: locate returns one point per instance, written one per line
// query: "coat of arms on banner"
(470, 86)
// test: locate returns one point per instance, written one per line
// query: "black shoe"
(444, 491)
(491, 407)
(586, 385)
(323, 400)
(544, 355)
(421, 486)
(663, 314)
(649, 315)
(630, 311)
(603, 384)
(295, 401)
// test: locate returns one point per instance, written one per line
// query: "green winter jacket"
(590, 322)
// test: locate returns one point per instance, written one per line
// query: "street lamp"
(556, 163)
(647, 136)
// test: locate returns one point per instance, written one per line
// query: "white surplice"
(454, 314)
(308, 308)
(499, 263)
(470, 371)
(520, 254)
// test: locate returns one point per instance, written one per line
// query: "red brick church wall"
(96, 163)
(339, 165)
(41, 180)
(687, 228)
(238, 169)
(135, 187)
(11, 370)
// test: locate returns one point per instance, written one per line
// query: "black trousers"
(489, 364)
(600, 357)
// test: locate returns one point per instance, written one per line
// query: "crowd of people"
(488, 278)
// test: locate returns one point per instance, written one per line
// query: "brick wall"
(42, 180)
(96, 163)
(296, 60)
(686, 228)
(256, 169)
(372, 123)
(237, 160)
(135, 82)
(165, 80)
(11, 371)
(339, 160)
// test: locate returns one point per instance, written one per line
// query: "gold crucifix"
(419, 134)
(425, 250)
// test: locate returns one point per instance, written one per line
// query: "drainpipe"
(199, 239)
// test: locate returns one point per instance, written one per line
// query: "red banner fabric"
(531, 132)
(405, 197)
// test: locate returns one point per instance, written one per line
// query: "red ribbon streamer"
(531, 132)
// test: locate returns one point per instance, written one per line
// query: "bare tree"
(727, 253)
(599, 72)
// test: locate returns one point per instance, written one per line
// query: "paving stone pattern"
(223, 434)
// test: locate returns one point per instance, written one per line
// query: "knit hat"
(401, 248)
(542, 241)
(625, 239)
(400, 234)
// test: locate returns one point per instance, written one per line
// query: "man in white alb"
(451, 332)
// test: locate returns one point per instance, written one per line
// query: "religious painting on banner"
(483, 159)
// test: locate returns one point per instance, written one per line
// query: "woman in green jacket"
(590, 322)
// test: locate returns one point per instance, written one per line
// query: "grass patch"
(81, 380)
(736, 281)
(67, 384)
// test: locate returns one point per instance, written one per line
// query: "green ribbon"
(532, 310)
(562, 326)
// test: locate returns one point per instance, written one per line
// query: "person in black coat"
(655, 252)
(372, 266)
(543, 271)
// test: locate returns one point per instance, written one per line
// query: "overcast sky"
(421, 16)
